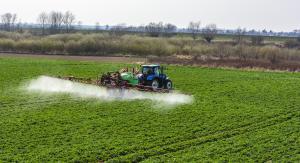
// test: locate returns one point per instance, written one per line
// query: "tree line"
(50, 23)
(153, 29)
(64, 22)
(8, 21)
(56, 22)
(59, 22)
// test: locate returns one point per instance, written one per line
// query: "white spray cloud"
(45, 84)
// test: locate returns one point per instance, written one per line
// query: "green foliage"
(236, 116)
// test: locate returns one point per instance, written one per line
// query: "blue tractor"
(148, 78)
(154, 77)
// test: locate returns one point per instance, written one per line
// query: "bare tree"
(13, 21)
(97, 26)
(239, 35)
(55, 20)
(119, 29)
(68, 21)
(141, 28)
(79, 25)
(209, 32)
(194, 28)
(169, 29)
(42, 20)
(8, 21)
(107, 27)
(154, 29)
(19, 26)
(239, 40)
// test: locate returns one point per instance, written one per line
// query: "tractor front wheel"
(168, 85)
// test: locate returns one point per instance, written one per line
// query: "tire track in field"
(216, 136)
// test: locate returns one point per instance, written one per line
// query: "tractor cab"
(151, 70)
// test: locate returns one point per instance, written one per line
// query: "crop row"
(175, 146)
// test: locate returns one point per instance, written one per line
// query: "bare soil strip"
(115, 59)
(256, 65)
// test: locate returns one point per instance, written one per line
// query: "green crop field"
(236, 116)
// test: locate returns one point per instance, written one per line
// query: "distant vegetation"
(57, 35)
(139, 45)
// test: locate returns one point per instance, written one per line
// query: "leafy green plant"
(238, 116)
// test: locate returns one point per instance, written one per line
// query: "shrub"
(14, 35)
(7, 44)
(257, 40)
(239, 51)
(72, 47)
(98, 44)
(88, 45)
(224, 51)
(271, 53)
(66, 37)
(292, 43)
(25, 45)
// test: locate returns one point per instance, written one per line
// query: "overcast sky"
(278, 15)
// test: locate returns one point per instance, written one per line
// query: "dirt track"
(80, 58)
(229, 63)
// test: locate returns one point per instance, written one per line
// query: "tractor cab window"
(147, 70)
(156, 71)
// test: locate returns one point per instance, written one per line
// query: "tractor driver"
(147, 71)
(156, 71)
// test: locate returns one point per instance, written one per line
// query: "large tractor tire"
(168, 85)
(155, 84)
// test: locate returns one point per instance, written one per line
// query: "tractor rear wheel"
(168, 84)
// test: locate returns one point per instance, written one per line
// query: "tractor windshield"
(147, 70)
(151, 70)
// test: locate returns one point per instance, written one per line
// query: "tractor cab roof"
(153, 65)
